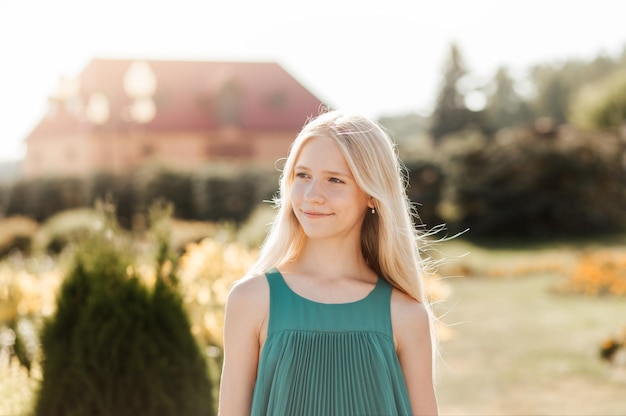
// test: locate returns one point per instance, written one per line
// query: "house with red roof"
(118, 115)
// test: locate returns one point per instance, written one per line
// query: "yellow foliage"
(525, 269)
(207, 270)
(23, 292)
(17, 388)
(601, 272)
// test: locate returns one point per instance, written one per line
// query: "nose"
(314, 192)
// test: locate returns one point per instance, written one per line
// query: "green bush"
(40, 198)
(425, 190)
(117, 347)
(525, 185)
(156, 183)
(116, 188)
(214, 193)
(227, 193)
(4, 197)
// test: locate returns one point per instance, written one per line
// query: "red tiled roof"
(262, 96)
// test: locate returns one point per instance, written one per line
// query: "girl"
(333, 318)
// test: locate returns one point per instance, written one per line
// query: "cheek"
(345, 195)
(295, 194)
(361, 201)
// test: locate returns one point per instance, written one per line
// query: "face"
(326, 199)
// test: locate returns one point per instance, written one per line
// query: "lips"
(313, 214)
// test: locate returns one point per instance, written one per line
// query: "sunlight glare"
(98, 110)
(143, 110)
(140, 80)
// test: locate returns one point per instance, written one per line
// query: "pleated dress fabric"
(329, 359)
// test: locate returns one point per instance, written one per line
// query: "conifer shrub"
(116, 346)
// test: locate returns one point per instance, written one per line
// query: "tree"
(553, 93)
(556, 84)
(451, 114)
(505, 107)
(601, 105)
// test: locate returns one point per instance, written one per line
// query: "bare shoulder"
(250, 294)
(252, 289)
(409, 318)
(405, 307)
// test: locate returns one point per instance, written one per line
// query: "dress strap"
(272, 274)
(278, 287)
(281, 301)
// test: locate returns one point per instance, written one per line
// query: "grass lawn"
(519, 349)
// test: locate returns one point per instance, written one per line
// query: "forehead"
(321, 152)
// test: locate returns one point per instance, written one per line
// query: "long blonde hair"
(389, 238)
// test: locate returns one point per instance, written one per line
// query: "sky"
(379, 58)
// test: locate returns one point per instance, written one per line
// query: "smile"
(310, 214)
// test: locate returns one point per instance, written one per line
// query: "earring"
(373, 210)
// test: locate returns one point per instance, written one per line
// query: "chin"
(317, 234)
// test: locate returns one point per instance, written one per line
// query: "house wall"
(270, 146)
(197, 113)
(58, 155)
(95, 151)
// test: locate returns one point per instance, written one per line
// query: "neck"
(332, 259)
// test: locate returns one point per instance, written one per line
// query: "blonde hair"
(389, 238)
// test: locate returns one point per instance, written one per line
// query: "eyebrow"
(328, 172)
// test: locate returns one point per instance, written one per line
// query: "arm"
(411, 326)
(246, 310)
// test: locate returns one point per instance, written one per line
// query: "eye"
(301, 175)
(336, 180)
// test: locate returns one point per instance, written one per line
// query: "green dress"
(329, 359)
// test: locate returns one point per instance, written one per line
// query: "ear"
(370, 203)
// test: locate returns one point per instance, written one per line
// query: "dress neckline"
(275, 270)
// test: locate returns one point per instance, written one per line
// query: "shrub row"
(518, 183)
(213, 194)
